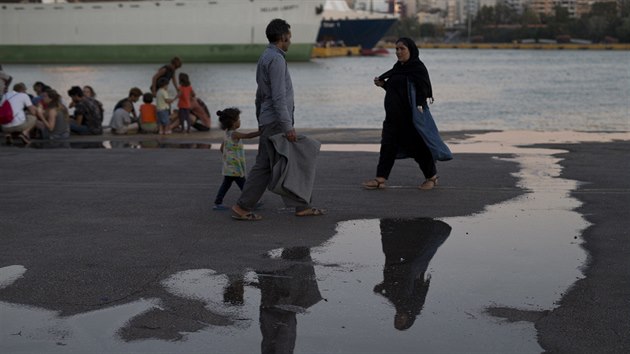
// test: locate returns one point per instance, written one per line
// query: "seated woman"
(53, 122)
(200, 111)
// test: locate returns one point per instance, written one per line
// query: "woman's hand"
(378, 82)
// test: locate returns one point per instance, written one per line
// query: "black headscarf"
(414, 69)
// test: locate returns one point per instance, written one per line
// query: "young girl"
(233, 153)
(186, 95)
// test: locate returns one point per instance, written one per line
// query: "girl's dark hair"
(276, 29)
(184, 80)
(228, 117)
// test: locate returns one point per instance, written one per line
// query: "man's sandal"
(429, 183)
(373, 184)
(246, 217)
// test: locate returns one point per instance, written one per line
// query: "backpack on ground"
(6, 112)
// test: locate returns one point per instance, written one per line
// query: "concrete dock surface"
(101, 222)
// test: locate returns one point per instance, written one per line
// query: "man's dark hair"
(276, 29)
(75, 91)
(19, 87)
(135, 92)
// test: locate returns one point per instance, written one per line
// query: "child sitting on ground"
(233, 153)
(121, 120)
(148, 114)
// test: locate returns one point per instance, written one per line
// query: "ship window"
(97, 7)
(78, 7)
(58, 7)
(19, 8)
(38, 8)
(134, 6)
(180, 4)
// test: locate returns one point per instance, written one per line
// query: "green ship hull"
(107, 54)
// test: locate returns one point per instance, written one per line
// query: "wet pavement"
(118, 250)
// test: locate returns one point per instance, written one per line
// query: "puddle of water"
(506, 142)
(8, 275)
(376, 286)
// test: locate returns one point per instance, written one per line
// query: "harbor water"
(473, 89)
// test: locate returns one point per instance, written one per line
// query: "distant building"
(542, 7)
(434, 18)
(575, 8)
(516, 5)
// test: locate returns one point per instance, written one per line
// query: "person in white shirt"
(22, 122)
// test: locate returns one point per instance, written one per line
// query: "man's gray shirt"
(274, 96)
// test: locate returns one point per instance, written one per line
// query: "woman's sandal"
(429, 183)
(311, 212)
(373, 184)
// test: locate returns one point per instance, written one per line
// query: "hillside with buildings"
(594, 21)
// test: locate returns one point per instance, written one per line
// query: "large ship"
(152, 31)
(352, 28)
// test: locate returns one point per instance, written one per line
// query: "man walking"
(274, 111)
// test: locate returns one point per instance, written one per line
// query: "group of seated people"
(44, 115)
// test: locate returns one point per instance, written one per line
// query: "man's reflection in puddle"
(409, 246)
(284, 293)
(234, 292)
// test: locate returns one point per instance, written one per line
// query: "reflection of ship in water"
(356, 31)
(409, 246)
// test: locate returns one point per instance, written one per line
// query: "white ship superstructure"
(198, 30)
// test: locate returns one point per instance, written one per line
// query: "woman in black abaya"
(400, 136)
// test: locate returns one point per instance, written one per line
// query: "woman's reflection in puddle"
(409, 246)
